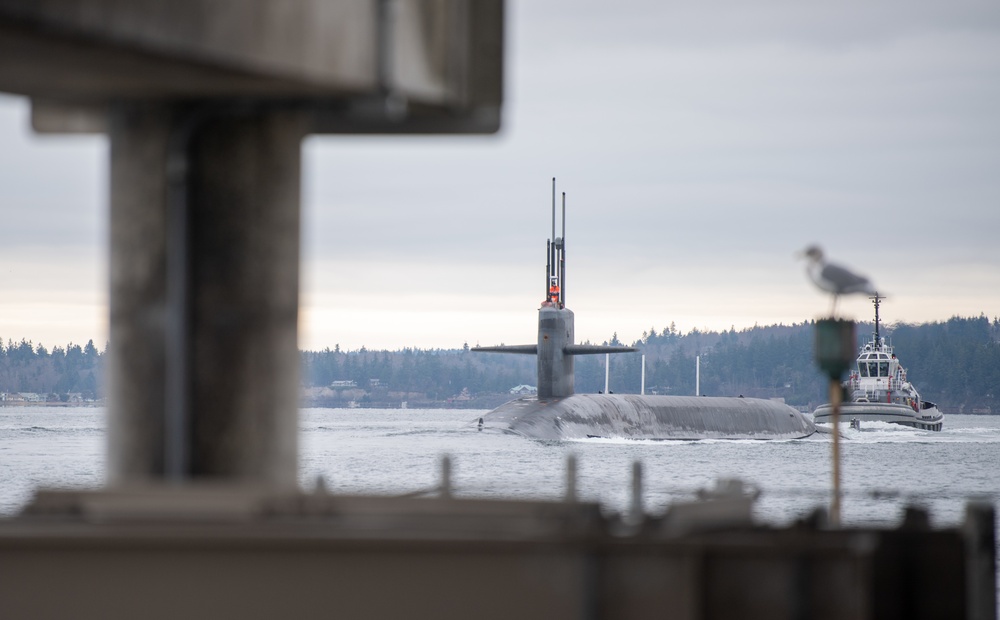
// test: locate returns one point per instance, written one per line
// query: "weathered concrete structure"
(206, 104)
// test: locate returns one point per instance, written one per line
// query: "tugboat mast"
(877, 299)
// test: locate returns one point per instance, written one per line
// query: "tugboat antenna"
(877, 299)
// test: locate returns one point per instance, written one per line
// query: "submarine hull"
(633, 416)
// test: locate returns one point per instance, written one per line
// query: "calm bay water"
(395, 451)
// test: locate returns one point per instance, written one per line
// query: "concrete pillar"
(138, 236)
(203, 374)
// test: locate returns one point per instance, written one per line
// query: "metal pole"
(642, 384)
(552, 270)
(570, 478)
(445, 476)
(548, 267)
(835, 344)
(877, 334)
(562, 257)
(835, 501)
(635, 510)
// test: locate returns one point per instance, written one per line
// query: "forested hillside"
(955, 363)
(51, 375)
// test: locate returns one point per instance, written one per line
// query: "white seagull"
(834, 278)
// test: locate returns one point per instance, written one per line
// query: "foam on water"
(887, 432)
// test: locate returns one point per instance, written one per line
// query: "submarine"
(556, 412)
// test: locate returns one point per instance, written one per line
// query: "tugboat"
(879, 392)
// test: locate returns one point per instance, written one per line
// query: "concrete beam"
(432, 60)
(102, 49)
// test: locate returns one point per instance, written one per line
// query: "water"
(396, 451)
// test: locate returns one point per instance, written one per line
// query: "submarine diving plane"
(557, 412)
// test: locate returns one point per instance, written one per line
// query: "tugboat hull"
(929, 418)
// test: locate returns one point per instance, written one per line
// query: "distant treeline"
(52, 375)
(955, 363)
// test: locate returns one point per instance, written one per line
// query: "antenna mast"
(562, 256)
(555, 253)
(877, 299)
(552, 239)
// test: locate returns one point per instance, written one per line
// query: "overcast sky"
(701, 145)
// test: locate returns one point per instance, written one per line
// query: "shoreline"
(57, 404)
